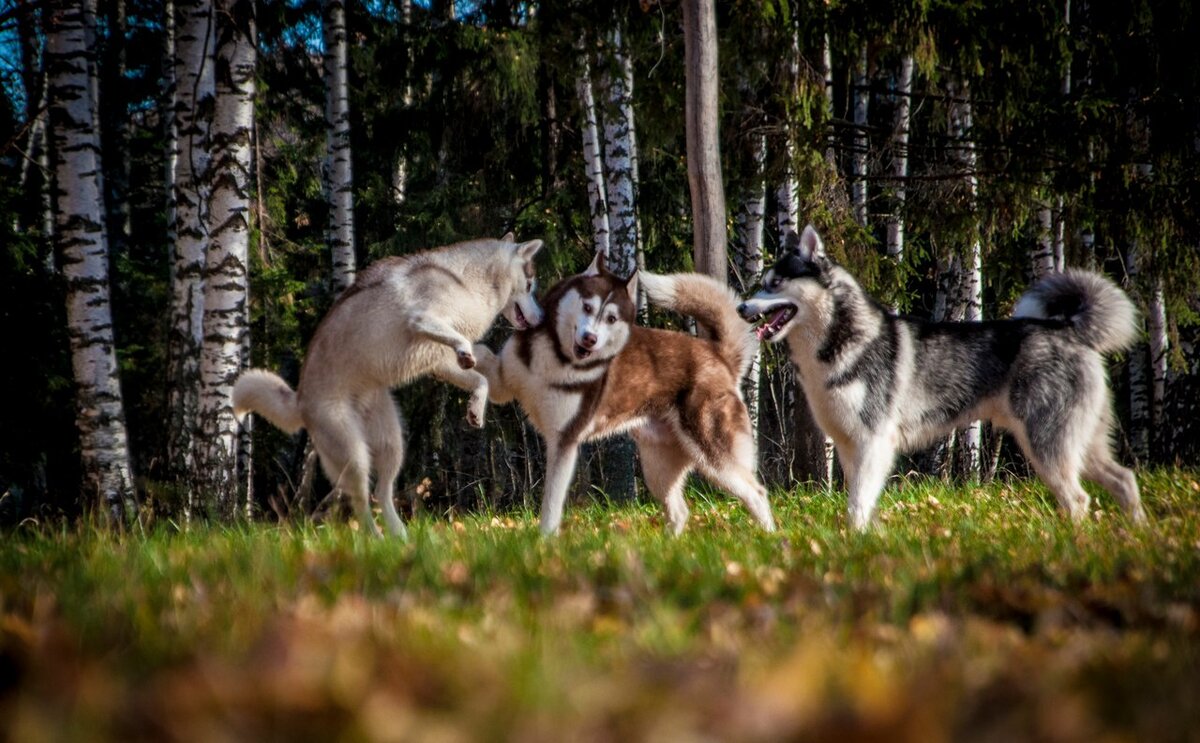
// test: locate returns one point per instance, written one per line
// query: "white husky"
(402, 318)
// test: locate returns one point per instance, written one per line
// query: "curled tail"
(263, 392)
(1097, 312)
(713, 304)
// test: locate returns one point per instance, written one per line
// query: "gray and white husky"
(402, 318)
(589, 372)
(879, 384)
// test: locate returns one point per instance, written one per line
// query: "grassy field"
(973, 613)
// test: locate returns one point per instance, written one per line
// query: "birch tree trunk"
(1041, 259)
(339, 176)
(620, 156)
(703, 138)
(1140, 395)
(225, 277)
(400, 164)
(1156, 328)
(81, 239)
(593, 164)
(827, 75)
(895, 224)
(858, 161)
(193, 66)
(972, 278)
(748, 259)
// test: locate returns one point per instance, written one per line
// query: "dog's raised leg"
(1120, 481)
(471, 381)
(867, 467)
(560, 466)
(436, 330)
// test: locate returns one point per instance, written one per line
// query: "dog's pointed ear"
(527, 250)
(631, 286)
(509, 237)
(598, 265)
(810, 245)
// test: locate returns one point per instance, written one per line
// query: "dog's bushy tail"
(264, 392)
(1098, 313)
(713, 304)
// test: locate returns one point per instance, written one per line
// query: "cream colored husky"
(403, 318)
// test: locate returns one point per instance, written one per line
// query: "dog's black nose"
(741, 309)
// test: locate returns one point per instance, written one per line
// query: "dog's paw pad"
(475, 420)
(466, 359)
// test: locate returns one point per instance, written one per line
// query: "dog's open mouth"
(522, 322)
(582, 353)
(780, 318)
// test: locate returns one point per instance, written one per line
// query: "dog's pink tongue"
(761, 331)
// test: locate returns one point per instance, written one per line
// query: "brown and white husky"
(589, 372)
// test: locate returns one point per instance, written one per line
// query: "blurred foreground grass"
(973, 613)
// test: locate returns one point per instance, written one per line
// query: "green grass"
(969, 613)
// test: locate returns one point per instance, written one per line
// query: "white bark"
(748, 259)
(1041, 258)
(1140, 395)
(400, 166)
(620, 157)
(1156, 327)
(972, 279)
(592, 161)
(193, 103)
(858, 160)
(895, 225)
(81, 239)
(339, 176)
(702, 121)
(225, 277)
(827, 72)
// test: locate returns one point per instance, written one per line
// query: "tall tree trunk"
(1140, 395)
(702, 119)
(1156, 329)
(858, 161)
(192, 109)
(339, 176)
(827, 74)
(400, 163)
(593, 164)
(624, 240)
(225, 277)
(895, 224)
(81, 239)
(620, 155)
(972, 279)
(1042, 257)
(748, 258)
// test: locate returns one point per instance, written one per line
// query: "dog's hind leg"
(386, 437)
(665, 466)
(436, 330)
(560, 466)
(1103, 470)
(338, 435)
(867, 466)
(471, 381)
(744, 486)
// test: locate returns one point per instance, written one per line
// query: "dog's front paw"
(466, 359)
